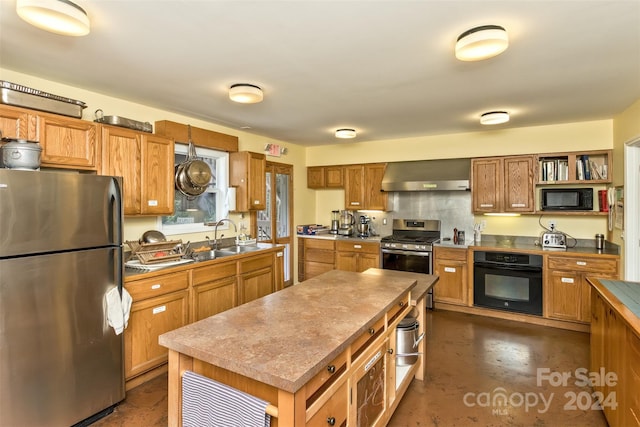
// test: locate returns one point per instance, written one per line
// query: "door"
(274, 224)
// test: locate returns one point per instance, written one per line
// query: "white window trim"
(222, 195)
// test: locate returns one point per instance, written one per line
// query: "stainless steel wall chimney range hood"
(427, 175)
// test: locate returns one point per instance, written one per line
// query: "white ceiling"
(385, 68)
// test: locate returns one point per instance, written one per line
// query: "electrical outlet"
(483, 224)
(552, 224)
(384, 221)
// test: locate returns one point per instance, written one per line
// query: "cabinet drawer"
(586, 264)
(319, 255)
(256, 263)
(213, 272)
(323, 379)
(313, 269)
(360, 247)
(450, 253)
(397, 310)
(333, 412)
(160, 285)
(319, 244)
(361, 343)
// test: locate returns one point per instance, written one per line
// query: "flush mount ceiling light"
(494, 118)
(57, 16)
(245, 93)
(346, 133)
(481, 42)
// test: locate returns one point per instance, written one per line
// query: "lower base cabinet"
(358, 256)
(149, 319)
(451, 265)
(214, 290)
(615, 348)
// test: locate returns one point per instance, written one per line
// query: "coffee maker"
(335, 222)
(346, 223)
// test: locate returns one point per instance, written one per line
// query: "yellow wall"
(626, 127)
(591, 135)
(135, 226)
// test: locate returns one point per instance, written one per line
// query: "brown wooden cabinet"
(362, 187)
(247, 172)
(160, 304)
(567, 292)
(325, 177)
(614, 347)
(146, 164)
(570, 167)
(66, 142)
(503, 184)
(214, 289)
(357, 256)
(256, 278)
(450, 264)
(315, 256)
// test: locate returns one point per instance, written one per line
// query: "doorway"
(274, 224)
(632, 210)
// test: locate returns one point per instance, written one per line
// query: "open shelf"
(580, 167)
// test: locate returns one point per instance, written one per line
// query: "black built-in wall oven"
(508, 281)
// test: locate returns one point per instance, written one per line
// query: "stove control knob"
(405, 246)
(546, 242)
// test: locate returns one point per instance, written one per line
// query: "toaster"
(554, 240)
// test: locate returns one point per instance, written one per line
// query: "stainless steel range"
(410, 247)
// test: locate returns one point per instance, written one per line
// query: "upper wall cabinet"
(247, 172)
(325, 177)
(362, 187)
(146, 164)
(66, 142)
(503, 184)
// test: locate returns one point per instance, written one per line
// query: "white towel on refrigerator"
(118, 309)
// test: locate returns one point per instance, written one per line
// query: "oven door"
(416, 262)
(506, 287)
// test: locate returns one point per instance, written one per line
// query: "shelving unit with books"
(593, 167)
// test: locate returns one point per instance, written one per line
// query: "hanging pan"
(193, 175)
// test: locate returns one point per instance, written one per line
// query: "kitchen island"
(305, 349)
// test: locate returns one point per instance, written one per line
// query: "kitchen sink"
(235, 250)
(223, 252)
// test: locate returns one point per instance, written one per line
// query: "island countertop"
(285, 338)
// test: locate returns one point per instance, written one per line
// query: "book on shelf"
(586, 167)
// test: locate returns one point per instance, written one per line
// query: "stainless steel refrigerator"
(60, 253)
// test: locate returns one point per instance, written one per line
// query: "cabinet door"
(334, 176)
(354, 187)
(632, 379)
(257, 181)
(366, 261)
(157, 179)
(278, 270)
(15, 123)
(334, 411)
(214, 297)
(122, 157)
(452, 285)
(518, 184)
(347, 261)
(564, 295)
(597, 338)
(486, 185)
(374, 198)
(148, 320)
(68, 143)
(256, 284)
(316, 177)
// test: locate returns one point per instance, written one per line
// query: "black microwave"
(570, 199)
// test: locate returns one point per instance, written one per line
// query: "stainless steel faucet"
(215, 231)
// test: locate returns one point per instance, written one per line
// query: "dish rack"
(246, 242)
(152, 253)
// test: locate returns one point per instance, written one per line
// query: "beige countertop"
(328, 236)
(285, 338)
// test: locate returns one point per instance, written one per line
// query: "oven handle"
(499, 266)
(396, 251)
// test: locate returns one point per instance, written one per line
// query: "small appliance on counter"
(347, 221)
(363, 226)
(335, 222)
(553, 240)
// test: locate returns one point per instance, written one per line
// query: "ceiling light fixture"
(346, 133)
(57, 16)
(245, 93)
(494, 118)
(481, 42)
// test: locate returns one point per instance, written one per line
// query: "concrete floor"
(472, 362)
